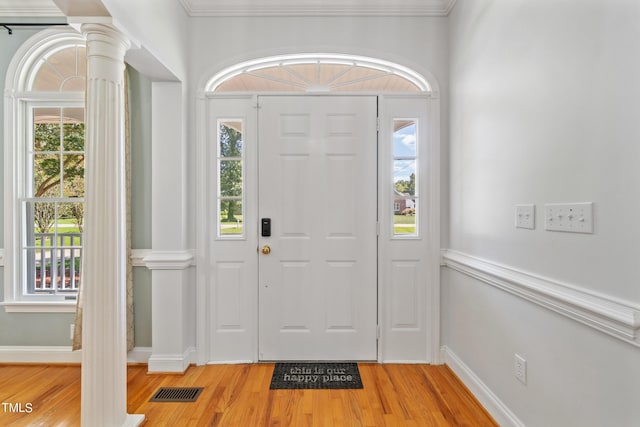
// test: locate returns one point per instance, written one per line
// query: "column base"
(133, 420)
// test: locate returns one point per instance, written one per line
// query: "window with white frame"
(53, 209)
(405, 169)
(44, 188)
(230, 182)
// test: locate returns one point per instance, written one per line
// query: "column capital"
(95, 31)
(104, 43)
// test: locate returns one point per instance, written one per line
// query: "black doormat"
(311, 375)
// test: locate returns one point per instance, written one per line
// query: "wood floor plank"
(239, 395)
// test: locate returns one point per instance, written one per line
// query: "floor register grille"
(177, 394)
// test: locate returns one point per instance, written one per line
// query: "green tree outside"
(230, 171)
(58, 172)
(407, 187)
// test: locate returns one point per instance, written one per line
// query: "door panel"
(231, 265)
(317, 182)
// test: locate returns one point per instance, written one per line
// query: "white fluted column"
(104, 351)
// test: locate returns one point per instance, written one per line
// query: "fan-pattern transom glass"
(318, 73)
(62, 71)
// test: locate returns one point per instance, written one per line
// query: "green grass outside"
(404, 230)
(404, 224)
(231, 227)
(67, 221)
(231, 230)
(404, 219)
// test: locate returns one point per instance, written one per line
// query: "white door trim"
(431, 227)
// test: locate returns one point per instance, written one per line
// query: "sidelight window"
(230, 153)
(405, 187)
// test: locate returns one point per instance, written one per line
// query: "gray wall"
(544, 102)
(52, 329)
(140, 123)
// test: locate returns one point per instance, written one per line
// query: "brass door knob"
(266, 250)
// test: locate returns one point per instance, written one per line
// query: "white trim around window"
(17, 131)
(17, 103)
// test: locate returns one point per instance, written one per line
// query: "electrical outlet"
(526, 216)
(520, 368)
(569, 217)
(72, 329)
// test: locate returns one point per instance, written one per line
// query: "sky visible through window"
(404, 145)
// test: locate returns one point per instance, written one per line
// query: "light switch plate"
(569, 217)
(526, 216)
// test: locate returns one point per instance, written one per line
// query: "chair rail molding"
(618, 318)
(162, 260)
(168, 260)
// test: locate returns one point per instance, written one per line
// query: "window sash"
(405, 152)
(48, 263)
(230, 178)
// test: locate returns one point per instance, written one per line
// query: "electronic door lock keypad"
(266, 227)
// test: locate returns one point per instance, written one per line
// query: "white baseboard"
(231, 362)
(59, 354)
(178, 363)
(498, 410)
(139, 355)
(39, 354)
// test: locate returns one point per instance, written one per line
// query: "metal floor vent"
(177, 394)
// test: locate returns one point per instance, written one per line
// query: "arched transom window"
(62, 70)
(318, 73)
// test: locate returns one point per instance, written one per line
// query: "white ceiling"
(36, 8)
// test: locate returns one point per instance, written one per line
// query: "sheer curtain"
(77, 334)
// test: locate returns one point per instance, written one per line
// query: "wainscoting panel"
(231, 298)
(228, 296)
(404, 295)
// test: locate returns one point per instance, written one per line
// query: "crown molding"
(30, 8)
(229, 8)
(47, 8)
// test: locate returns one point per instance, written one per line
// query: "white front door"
(318, 186)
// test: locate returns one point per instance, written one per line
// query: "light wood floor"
(239, 395)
